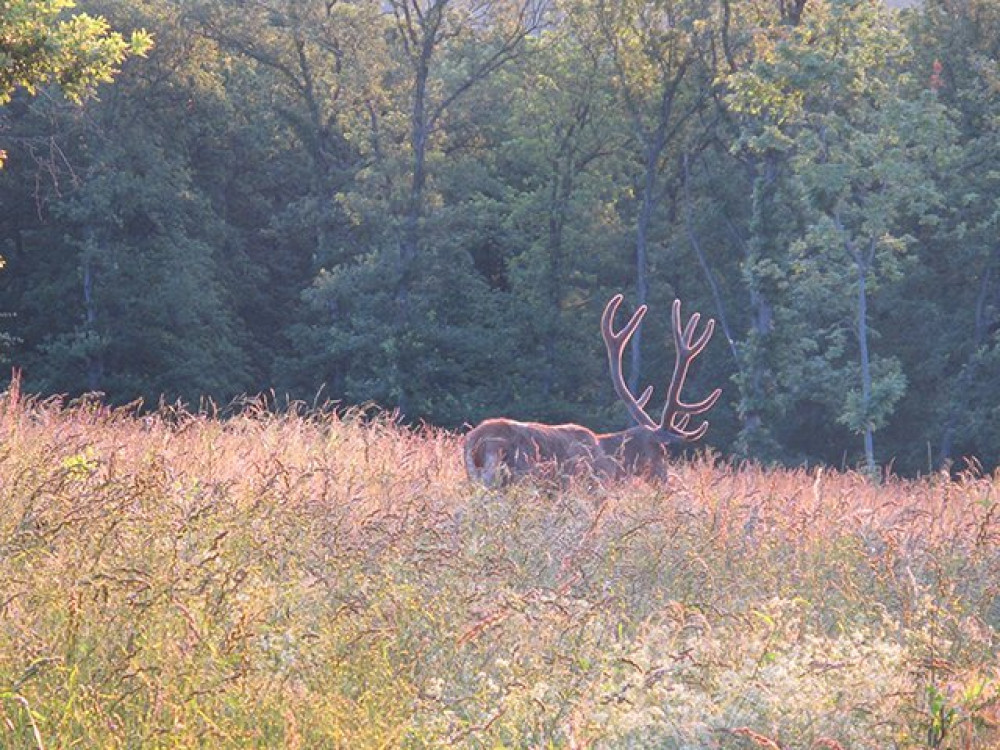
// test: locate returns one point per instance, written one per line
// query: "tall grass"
(328, 580)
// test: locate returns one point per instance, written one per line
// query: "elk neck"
(613, 443)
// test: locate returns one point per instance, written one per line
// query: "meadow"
(328, 579)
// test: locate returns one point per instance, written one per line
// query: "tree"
(40, 46)
(487, 34)
(117, 282)
(955, 288)
(316, 129)
(78, 53)
(659, 52)
(323, 63)
(866, 155)
(563, 140)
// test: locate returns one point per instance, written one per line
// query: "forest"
(423, 205)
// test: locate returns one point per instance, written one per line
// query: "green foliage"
(867, 154)
(872, 411)
(42, 43)
(428, 210)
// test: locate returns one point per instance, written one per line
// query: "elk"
(500, 450)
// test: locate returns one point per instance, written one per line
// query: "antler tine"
(679, 427)
(621, 338)
(705, 404)
(691, 435)
(684, 338)
(644, 398)
(689, 329)
(615, 344)
(703, 340)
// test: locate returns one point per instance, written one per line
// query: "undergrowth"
(331, 580)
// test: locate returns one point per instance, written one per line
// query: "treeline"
(425, 204)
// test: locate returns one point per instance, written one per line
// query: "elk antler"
(676, 414)
(615, 343)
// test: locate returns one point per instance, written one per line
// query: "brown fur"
(501, 450)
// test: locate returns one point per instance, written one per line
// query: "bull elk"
(499, 450)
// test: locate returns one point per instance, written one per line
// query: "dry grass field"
(333, 581)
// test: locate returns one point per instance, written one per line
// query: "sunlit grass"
(332, 581)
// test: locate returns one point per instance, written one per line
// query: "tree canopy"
(41, 43)
(424, 204)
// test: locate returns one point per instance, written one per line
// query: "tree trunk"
(649, 181)
(410, 238)
(756, 350)
(409, 241)
(95, 367)
(713, 283)
(316, 146)
(979, 333)
(554, 282)
(862, 264)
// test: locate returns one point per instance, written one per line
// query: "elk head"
(499, 450)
